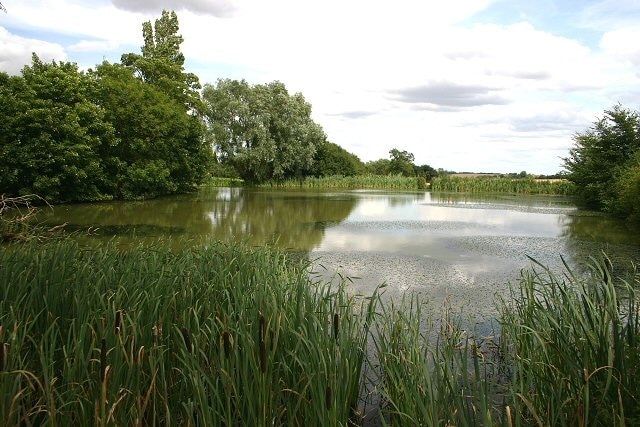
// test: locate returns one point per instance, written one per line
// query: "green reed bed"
(568, 354)
(219, 335)
(391, 182)
(501, 185)
(228, 335)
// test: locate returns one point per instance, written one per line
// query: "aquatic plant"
(501, 185)
(218, 334)
(231, 335)
(390, 182)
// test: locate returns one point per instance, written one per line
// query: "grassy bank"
(501, 185)
(228, 335)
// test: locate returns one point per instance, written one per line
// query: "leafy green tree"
(627, 190)
(162, 63)
(331, 159)
(264, 132)
(601, 154)
(378, 167)
(426, 171)
(52, 133)
(401, 163)
(161, 148)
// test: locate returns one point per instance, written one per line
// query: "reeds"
(209, 336)
(501, 185)
(375, 182)
(228, 335)
(566, 352)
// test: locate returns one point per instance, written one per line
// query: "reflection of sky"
(410, 224)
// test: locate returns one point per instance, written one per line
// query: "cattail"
(3, 356)
(226, 341)
(336, 325)
(261, 328)
(154, 334)
(118, 321)
(263, 357)
(103, 359)
(263, 347)
(328, 397)
(187, 339)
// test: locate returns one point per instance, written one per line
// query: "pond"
(459, 247)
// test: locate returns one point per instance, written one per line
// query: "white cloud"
(15, 51)
(92, 46)
(623, 45)
(212, 7)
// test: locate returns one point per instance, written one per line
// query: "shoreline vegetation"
(242, 336)
(445, 183)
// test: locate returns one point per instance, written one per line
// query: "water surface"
(460, 247)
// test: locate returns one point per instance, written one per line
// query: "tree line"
(145, 127)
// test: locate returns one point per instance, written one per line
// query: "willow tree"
(262, 130)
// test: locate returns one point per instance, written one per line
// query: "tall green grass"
(221, 335)
(390, 182)
(230, 335)
(501, 185)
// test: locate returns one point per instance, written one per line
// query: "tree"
(401, 162)
(601, 154)
(160, 148)
(627, 190)
(52, 133)
(331, 159)
(264, 132)
(378, 167)
(426, 171)
(162, 64)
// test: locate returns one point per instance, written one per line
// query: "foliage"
(601, 155)
(261, 130)
(52, 133)
(331, 159)
(627, 190)
(207, 336)
(67, 135)
(377, 167)
(161, 149)
(224, 332)
(401, 163)
(162, 64)
(217, 181)
(501, 185)
(386, 182)
(426, 171)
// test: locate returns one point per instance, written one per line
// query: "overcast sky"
(465, 85)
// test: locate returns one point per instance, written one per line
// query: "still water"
(464, 248)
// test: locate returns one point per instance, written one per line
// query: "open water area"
(462, 248)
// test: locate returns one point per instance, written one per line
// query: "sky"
(464, 85)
